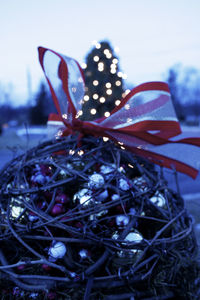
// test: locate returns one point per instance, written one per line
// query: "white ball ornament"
(96, 181)
(122, 220)
(158, 199)
(123, 185)
(58, 250)
(115, 197)
(135, 237)
(84, 197)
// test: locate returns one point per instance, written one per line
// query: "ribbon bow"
(144, 123)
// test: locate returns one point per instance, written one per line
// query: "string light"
(118, 83)
(86, 98)
(124, 76)
(106, 51)
(113, 71)
(105, 138)
(95, 82)
(100, 66)
(79, 113)
(73, 89)
(108, 55)
(96, 44)
(115, 61)
(113, 66)
(93, 111)
(64, 116)
(83, 65)
(102, 99)
(95, 96)
(119, 74)
(127, 106)
(117, 102)
(71, 152)
(96, 58)
(80, 152)
(131, 166)
(127, 91)
(109, 92)
(107, 114)
(108, 85)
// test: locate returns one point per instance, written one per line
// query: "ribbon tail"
(183, 158)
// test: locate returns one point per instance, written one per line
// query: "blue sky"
(152, 36)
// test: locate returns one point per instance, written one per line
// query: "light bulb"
(113, 66)
(120, 74)
(86, 98)
(107, 114)
(95, 96)
(100, 65)
(79, 113)
(118, 83)
(115, 60)
(117, 102)
(127, 91)
(109, 92)
(95, 82)
(64, 116)
(106, 51)
(98, 45)
(108, 85)
(102, 99)
(108, 55)
(113, 71)
(93, 111)
(96, 58)
(127, 106)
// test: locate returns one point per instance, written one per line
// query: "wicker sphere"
(92, 221)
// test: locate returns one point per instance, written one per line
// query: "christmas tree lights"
(103, 81)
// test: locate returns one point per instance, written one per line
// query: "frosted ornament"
(141, 183)
(134, 236)
(158, 199)
(58, 250)
(115, 197)
(96, 181)
(84, 197)
(122, 220)
(83, 253)
(123, 184)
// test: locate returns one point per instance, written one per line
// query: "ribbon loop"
(144, 123)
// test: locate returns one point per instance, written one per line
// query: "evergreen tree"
(43, 106)
(103, 81)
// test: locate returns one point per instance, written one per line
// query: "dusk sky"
(152, 36)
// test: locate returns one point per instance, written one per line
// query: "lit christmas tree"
(103, 81)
